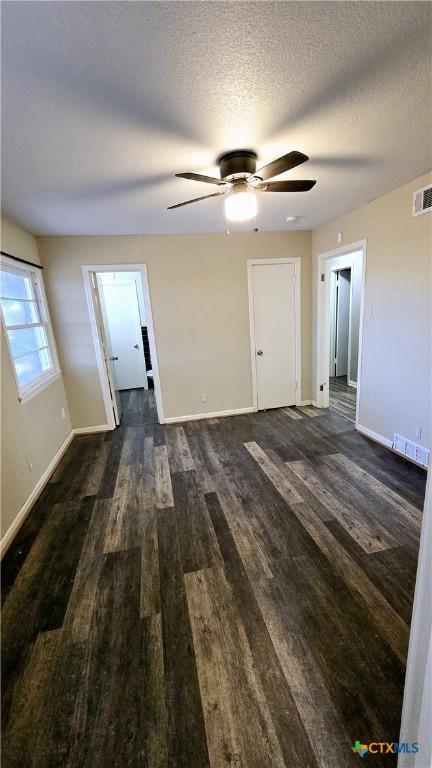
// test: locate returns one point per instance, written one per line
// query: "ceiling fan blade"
(284, 163)
(198, 177)
(195, 200)
(285, 186)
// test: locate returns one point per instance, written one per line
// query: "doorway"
(341, 385)
(274, 313)
(339, 324)
(123, 313)
(120, 314)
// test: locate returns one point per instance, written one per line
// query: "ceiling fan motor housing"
(237, 164)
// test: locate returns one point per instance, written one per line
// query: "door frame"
(251, 263)
(87, 270)
(347, 264)
(323, 322)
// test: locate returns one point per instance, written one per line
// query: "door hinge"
(321, 387)
(322, 277)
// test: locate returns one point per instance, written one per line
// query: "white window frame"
(28, 391)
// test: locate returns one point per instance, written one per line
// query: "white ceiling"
(104, 101)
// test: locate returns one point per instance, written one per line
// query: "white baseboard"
(10, 534)
(36, 492)
(221, 414)
(92, 430)
(352, 384)
(387, 443)
(375, 436)
(215, 415)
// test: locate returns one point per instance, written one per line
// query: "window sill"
(38, 387)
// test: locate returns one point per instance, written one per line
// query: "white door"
(122, 320)
(273, 287)
(343, 321)
(106, 350)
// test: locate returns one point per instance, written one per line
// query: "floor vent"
(422, 201)
(411, 450)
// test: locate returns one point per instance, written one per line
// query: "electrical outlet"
(63, 413)
(30, 463)
(203, 398)
(418, 431)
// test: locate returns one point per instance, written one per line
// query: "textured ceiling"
(104, 101)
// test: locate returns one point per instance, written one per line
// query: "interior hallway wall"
(32, 431)
(396, 360)
(199, 293)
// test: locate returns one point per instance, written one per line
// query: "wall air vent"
(422, 201)
(417, 453)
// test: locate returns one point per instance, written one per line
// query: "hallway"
(342, 397)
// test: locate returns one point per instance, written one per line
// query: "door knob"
(259, 352)
(113, 358)
(136, 346)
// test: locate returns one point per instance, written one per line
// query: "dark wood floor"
(342, 397)
(234, 593)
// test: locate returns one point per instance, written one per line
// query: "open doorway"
(120, 314)
(342, 365)
(340, 309)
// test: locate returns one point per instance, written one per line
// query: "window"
(28, 329)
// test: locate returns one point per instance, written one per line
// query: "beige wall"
(198, 287)
(396, 359)
(35, 430)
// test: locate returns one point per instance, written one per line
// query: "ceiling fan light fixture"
(239, 181)
(240, 205)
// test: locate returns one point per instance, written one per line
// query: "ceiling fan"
(239, 180)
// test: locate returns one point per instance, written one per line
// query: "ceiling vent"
(422, 201)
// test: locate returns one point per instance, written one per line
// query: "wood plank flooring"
(342, 397)
(233, 593)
